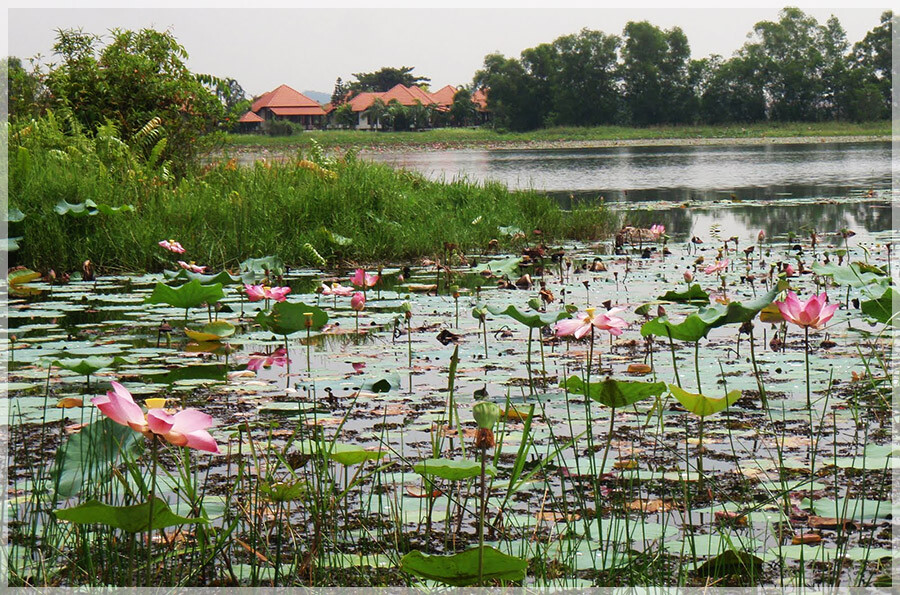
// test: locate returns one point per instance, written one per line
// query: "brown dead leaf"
(639, 369)
(630, 464)
(69, 402)
(806, 539)
(819, 522)
(417, 492)
(252, 551)
(730, 517)
(556, 517)
(72, 428)
(651, 506)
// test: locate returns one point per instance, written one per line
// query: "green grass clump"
(347, 209)
(454, 137)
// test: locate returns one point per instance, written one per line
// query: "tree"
(345, 117)
(871, 73)
(339, 95)
(386, 78)
(419, 115)
(509, 93)
(397, 116)
(655, 74)
(377, 114)
(462, 110)
(584, 80)
(24, 90)
(731, 91)
(135, 78)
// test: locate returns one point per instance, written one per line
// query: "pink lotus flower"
(363, 279)
(581, 323)
(718, 267)
(119, 406)
(185, 428)
(337, 289)
(261, 292)
(789, 271)
(761, 236)
(172, 246)
(190, 266)
(688, 276)
(265, 360)
(813, 313)
(657, 231)
(358, 301)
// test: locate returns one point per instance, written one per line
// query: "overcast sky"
(309, 48)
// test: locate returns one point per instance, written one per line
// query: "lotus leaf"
(702, 405)
(461, 570)
(614, 393)
(452, 469)
(531, 320)
(89, 207)
(90, 452)
(694, 294)
(189, 295)
(222, 277)
(286, 318)
(882, 308)
(214, 331)
(90, 365)
(133, 519)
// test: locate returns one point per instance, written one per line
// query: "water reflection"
(685, 173)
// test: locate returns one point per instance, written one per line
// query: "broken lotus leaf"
(452, 469)
(214, 331)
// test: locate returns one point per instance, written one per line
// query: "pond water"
(598, 505)
(824, 186)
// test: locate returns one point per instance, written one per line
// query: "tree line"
(792, 69)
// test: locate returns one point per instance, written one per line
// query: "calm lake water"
(826, 186)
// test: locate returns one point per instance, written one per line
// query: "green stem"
(812, 461)
(154, 446)
(697, 365)
(759, 383)
(481, 519)
(674, 363)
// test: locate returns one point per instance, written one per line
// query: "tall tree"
(584, 80)
(385, 78)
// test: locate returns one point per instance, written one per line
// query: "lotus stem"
(674, 363)
(154, 457)
(697, 364)
(481, 518)
(812, 460)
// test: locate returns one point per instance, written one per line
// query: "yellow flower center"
(155, 403)
(590, 312)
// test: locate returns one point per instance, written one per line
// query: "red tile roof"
(361, 102)
(283, 96)
(422, 96)
(480, 99)
(298, 111)
(250, 117)
(444, 96)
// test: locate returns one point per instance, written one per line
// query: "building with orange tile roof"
(440, 101)
(287, 104)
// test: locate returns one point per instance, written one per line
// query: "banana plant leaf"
(530, 319)
(614, 393)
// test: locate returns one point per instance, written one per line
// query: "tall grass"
(346, 208)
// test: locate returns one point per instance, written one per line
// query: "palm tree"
(376, 113)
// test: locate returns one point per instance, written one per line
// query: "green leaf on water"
(90, 365)
(851, 509)
(285, 491)
(214, 331)
(499, 268)
(882, 307)
(731, 563)
(287, 317)
(452, 469)
(222, 277)
(530, 319)
(14, 215)
(345, 454)
(189, 295)
(692, 295)
(383, 384)
(133, 519)
(614, 393)
(20, 276)
(89, 207)
(90, 454)
(254, 269)
(702, 405)
(461, 570)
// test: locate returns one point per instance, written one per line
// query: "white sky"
(308, 48)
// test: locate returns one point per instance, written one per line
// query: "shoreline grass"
(347, 209)
(480, 137)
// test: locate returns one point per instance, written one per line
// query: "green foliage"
(614, 393)
(461, 570)
(89, 207)
(385, 78)
(530, 319)
(452, 469)
(287, 317)
(189, 295)
(90, 455)
(132, 519)
(365, 212)
(701, 405)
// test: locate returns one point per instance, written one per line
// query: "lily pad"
(530, 319)
(452, 469)
(614, 393)
(286, 318)
(461, 570)
(189, 295)
(133, 519)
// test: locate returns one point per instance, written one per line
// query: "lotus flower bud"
(688, 276)
(761, 237)
(486, 414)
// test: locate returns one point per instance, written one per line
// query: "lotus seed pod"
(486, 414)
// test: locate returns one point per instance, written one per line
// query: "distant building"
(286, 104)
(440, 101)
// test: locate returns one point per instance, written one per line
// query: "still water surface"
(780, 188)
